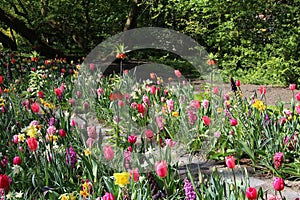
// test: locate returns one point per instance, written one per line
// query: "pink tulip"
(35, 107)
(149, 133)
(132, 139)
(16, 139)
(108, 196)
(230, 161)
(161, 168)
(216, 90)
(170, 142)
(205, 103)
(292, 86)
(32, 144)
(177, 73)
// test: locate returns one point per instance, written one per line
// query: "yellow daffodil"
(122, 179)
(21, 137)
(259, 105)
(31, 131)
(87, 152)
(84, 193)
(175, 114)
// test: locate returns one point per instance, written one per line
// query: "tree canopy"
(257, 36)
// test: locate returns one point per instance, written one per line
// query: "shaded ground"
(273, 94)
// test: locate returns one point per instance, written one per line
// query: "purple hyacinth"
(190, 194)
(71, 157)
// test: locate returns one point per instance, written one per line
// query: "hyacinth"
(190, 194)
(71, 157)
(278, 160)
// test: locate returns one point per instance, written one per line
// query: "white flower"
(19, 194)
(16, 169)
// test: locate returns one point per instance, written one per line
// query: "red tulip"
(161, 168)
(132, 139)
(262, 90)
(233, 122)
(32, 143)
(40, 94)
(35, 107)
(292, 86)
(251, 193)
(1, 79)
(238, 83)
(17, 160)
(134, 174)
(4, 182)
(278, 184)
(141, 108)
(57, 91)
(206, 120)
(62, 133)
(230, 161)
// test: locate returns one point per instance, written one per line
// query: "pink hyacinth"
(278, 159)
(170, 105)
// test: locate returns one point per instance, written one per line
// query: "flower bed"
(53, 145)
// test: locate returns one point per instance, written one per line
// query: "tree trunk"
(7, 42)
(29, 34)
(131, 21)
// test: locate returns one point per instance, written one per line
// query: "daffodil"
(122, 179)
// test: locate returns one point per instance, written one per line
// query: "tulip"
(233, 122)
(205, 103)
(149, 133)
(4, 182)
(16, 139)
(57, 91)
(195, 104)
(108, 196)
(62, 133)
(17, 160)
(262, 90)
(1, 79)
(278, 184)
(230, 161)
(32, 143)
(292, 86)
(177, 73)
(132, 139)
(141, 108)
(251, 193)
(216, 90)
(297, 96)
(169, 142)
(238, 83)
(134, 174)
(206, 120)
(35, 107)
(92, 66)
(161, 168)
